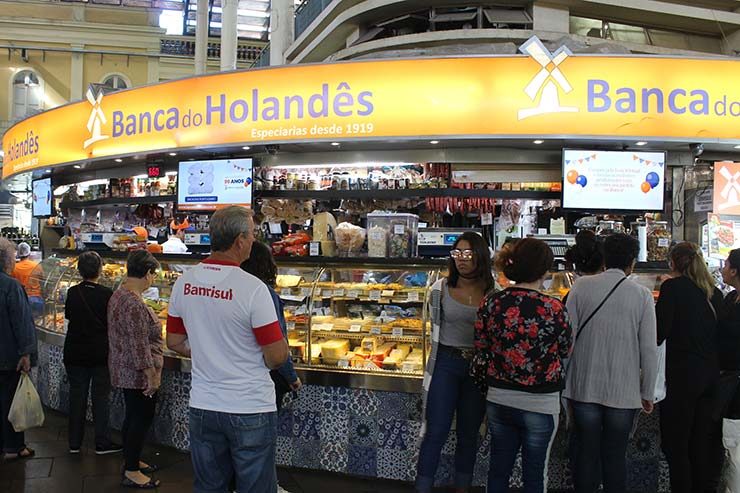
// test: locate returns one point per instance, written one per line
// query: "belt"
(464, 353)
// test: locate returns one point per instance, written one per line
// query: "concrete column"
(282, 30)
(152, 66)
(228, 34)
(76, 73)
(201, 37)
(549, 17)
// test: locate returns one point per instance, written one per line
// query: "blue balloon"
(653, 179)
(582, 180)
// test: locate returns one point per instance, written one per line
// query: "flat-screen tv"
(212, 184)
(613, 180)
(42, 198)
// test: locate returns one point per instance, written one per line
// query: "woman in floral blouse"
(521, 339)
(135, 361)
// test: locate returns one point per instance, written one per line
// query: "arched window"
(115, 82)
(27, 94)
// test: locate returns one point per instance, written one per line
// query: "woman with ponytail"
(687, 320)
(586, 257)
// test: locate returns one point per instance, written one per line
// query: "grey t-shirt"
(458, 322)
(535, 403)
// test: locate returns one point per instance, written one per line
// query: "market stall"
(361, 182)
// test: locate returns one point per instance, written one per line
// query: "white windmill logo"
(544, 82)
(97, 118)
(731, 189)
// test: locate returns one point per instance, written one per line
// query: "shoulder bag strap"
(95, 315)
(608, 295)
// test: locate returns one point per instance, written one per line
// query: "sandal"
(149, 485)
(25, 453)
(148, 470)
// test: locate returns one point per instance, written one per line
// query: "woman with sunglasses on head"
(448, 387)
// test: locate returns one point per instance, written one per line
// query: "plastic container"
(658, 241)
(401, 232)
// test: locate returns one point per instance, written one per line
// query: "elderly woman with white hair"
(17, 349)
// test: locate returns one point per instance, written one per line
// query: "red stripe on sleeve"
(268, 334)
(175, 325)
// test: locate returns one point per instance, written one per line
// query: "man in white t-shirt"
(225, 320)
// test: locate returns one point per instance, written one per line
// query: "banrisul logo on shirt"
(208, 292)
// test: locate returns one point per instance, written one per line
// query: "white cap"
(24, 250)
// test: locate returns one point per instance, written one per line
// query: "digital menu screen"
(212, 184)
(613, 180)
(41, 205)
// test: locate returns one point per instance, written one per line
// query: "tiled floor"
(53, 470)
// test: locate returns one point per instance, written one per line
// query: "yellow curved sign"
(535, 94)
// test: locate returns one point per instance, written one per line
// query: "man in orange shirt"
(24, 273)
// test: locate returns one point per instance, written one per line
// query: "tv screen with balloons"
(613, 180)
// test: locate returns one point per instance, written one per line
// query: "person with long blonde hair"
(687, 320)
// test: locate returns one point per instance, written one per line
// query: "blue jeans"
(223, 445)
(512, 429)
(602, 437)
(451, 390)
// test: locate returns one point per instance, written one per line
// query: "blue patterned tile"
(363, 431)
(397, 434)
(362, 461)
(310, 398)
(445, 471)
(396, 464)
(285, 423)
(306, 425)
(333, 457)
(284, 451)
(306, 454)
(333, 427)
(364, 402)
(642, 476)
(335, 399)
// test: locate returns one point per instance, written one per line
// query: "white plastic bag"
(660, 389)
(731, 441)
(26, 410)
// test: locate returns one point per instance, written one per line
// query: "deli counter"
(351, 322)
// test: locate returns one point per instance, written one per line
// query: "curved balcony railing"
(246, 51)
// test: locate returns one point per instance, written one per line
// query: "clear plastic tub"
(398, 231)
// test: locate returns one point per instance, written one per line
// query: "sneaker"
(112, 448)
(74, 450)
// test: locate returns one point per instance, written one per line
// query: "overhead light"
(641, 143)
(737, 147)
(434, 142)
(335, 144)
(77, 166)
(48, 171)
(538, 141)
(246, 148)
(171, 173)
(173, 154)
(140, 176)
(118, 160)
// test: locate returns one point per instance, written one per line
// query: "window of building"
(27, 94)
(115, 82)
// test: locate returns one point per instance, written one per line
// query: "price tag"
(355, 328)
(376, 235)
(486, 219)
(374, 295)
(375, 330)
(387, 293)
(353, 293)
(413, 296)
(290, 325)
(408, 367)
(276, 228)
(339, 293)
(313, 249)
(399, 229)
(285, 292)
(301, 310)
(343, 363)
(306, 291)
(397, 331)
(664, 242)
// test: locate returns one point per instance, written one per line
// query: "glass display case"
(357, 316)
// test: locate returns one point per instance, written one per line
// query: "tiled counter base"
(359, 432)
